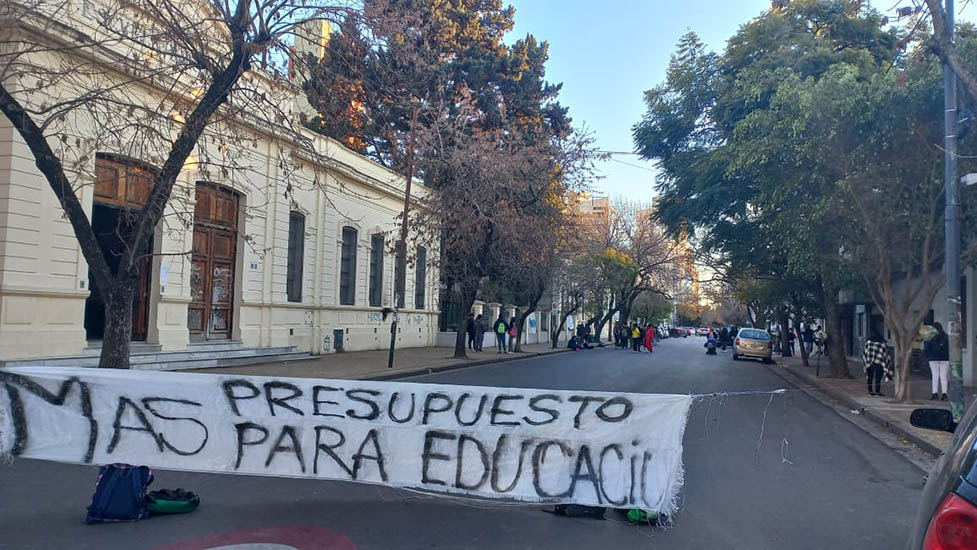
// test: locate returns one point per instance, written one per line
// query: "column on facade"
(510, 312)
(490, 311)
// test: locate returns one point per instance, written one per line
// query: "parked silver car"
(753, 342)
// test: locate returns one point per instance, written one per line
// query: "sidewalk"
(853, 394)
(372, 365)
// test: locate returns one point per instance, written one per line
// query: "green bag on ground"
(636, 515)
(172, 501)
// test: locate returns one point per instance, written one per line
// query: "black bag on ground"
(579, 511)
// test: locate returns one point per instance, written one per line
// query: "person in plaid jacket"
(877, 362)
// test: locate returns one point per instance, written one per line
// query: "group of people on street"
(877, 362)
(476, 327)
(812, 337)
(582, 339)
(634, 336)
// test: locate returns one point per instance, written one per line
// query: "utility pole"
(400, 256)
(952, 261)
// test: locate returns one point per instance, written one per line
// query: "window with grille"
(296, 257)
(347, 268)
(400, 276)
(420, 277)
(376, 270)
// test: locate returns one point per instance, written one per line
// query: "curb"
(842, 398)
(381, 376)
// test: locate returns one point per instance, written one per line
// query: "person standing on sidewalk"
(513, 333)
(470, 329)
(820, 338)
(650, 338)
(635, 337)
(479, 332)
(808, 337)
(500, 329)
(877, 362)
(937, 352)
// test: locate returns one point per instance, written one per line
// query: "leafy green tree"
(435, 92)
(652, 307)
(688, 315)
(742, 215)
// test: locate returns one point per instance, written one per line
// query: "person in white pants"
(937, 352)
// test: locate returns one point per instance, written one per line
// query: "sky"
(607, 53)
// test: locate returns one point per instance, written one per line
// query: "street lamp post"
(952, 261)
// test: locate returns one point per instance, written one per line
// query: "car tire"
(767, 361)
(736, 357)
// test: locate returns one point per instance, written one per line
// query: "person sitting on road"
(574, 344)
(710, 345)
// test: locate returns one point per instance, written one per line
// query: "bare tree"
(499, 203)
(147, 80)
(898, 255)
(633, 255)
(571, 293)
(943, 47)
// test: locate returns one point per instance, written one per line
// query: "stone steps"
(196, 356)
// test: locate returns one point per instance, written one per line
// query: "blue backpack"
(120, 494)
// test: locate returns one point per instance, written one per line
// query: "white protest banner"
(596, 448)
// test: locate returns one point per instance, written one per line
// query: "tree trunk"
(902, 358)
(752, 315)
(625, 313)
(467, 299)
(555, 336)
(603, 322)
(837, 363)
(801, 343)
(784, 334)
(521, 321)
(118, 324)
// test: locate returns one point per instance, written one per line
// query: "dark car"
(947, 516)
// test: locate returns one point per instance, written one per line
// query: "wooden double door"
(210, 315)
(121, 189)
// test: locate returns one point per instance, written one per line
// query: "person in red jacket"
(650, 338)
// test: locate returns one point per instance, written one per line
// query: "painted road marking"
(279, 537)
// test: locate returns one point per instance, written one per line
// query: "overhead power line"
(634, 165)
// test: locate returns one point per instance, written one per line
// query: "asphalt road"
(831, 486)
